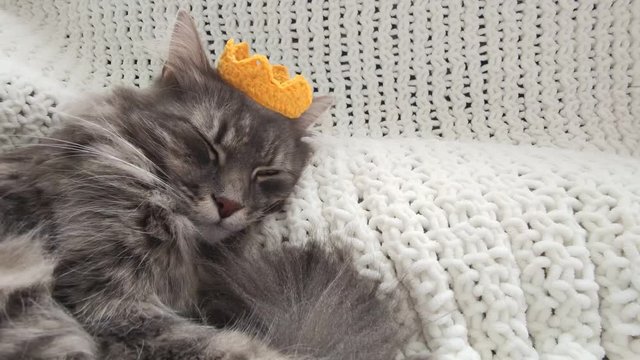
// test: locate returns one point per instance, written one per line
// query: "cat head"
(224, 160)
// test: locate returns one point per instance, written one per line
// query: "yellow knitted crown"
(269, 85)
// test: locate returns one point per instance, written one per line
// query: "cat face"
(223, 160)
(230, 164)
(235, 160)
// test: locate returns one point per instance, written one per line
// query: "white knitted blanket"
(497, 250)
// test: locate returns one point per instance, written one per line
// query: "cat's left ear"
(186, 57)
(319, 106)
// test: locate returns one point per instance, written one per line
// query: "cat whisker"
(100, 153)
(273, 206)
(113, 135)
(113, 132)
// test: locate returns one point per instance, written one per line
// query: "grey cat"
(123, 236)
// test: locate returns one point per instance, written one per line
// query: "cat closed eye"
(263, 173)
(214, 156)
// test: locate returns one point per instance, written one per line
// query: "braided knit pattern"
(493, 248)
(541, 72)
(494, 251)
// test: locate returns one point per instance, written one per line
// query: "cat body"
(114, 232)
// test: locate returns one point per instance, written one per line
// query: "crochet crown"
(269, 85)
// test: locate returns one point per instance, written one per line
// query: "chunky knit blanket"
(482, 159)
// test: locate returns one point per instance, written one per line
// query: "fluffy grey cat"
(123, 235)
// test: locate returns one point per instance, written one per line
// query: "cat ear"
(319, 107)
(186, 54)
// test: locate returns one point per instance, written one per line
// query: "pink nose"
(227, 207)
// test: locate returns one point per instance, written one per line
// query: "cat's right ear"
(319, 106)
(186, 58)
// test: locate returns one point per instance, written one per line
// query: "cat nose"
(227, 207)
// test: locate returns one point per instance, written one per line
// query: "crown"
(269, 85)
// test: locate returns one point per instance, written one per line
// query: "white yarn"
(538, 72)
(495, 251)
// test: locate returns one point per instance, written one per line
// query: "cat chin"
(236, 222)
(216, 232)
(210, 217)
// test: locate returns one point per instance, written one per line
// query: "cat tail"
(32, 324)
(305, 301)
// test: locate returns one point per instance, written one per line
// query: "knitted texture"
(493, 251)
(553, 73)
(269, 85)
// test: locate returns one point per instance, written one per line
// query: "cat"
(125, 235)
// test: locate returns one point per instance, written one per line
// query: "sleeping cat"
(123, 236)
